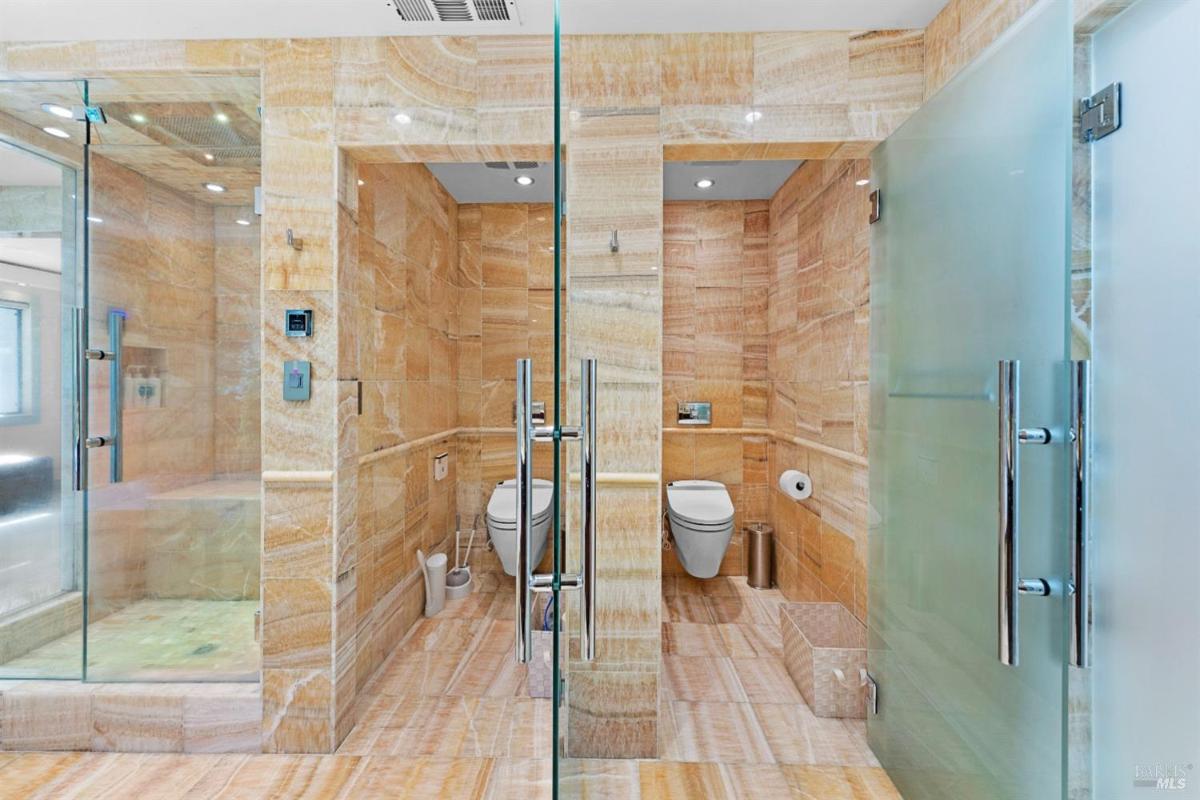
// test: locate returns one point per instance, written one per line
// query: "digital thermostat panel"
(298, 322)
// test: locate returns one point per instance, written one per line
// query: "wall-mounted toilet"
(502, 520)
(701, 517)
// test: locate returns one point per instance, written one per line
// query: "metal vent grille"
(511, 164)
(492, 10)
(453, 10)
(456, 10)
(202, 131)
(414, 10)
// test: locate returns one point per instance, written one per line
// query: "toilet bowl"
(701, 517)
(502, 521)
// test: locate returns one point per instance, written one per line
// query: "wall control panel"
(297, 380)
(298, 322)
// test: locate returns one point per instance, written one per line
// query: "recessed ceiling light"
(361, 182)
(140, 119)
(214, 187)
(58, 111)
(402, 118)
(524, 180)
(862, 182)
(753, 116)
(221, 117)
(242, 221)
(96, 220)
(209, 157)
(705, 183)
(57, 132)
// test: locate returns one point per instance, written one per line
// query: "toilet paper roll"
(796, 484)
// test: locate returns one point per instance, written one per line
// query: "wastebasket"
(760, 552)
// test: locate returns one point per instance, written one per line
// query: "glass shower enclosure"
(146, 486)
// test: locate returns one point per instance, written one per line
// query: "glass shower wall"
(1145, 484)
(174, 499)
(41, 160)
(969, 267)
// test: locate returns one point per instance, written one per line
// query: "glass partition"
(174, 272)
(1146, 486)
(41, 560)
(970, 267)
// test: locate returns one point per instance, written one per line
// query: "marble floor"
(155, 640)
(448, 716)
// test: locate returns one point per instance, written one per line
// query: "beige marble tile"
(840, 783)
(765, 680)
(693, 639)
(696, 679)
(707, 69)
(796, 736)
(800, 67)
(621, 71)
(297, 711)
(726, 733)
(661, 780)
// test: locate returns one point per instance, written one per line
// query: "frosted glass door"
(970, 266)
(1146, 482)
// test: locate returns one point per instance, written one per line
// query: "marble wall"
(715, 285)
(403, 302)
(506, 274)
(817, 362)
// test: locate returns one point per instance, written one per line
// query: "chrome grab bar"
(79, 399)
(528, 583)
(1009, 584)
(524, 576)
(1081, 473)
(116, 329)
(587, 532)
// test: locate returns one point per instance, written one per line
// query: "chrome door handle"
(587, 532)
(527, 582)
(1010, 586)
(524, 643)
(1081, 479)
(79, 399)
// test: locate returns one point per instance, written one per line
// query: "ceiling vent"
(457, 10)
(511, 164)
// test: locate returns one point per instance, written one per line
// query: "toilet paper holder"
(795, 484)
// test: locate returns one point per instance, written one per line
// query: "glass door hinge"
(1100, 114)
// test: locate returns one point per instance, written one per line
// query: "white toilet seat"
(701, 515)
(502, 507)
(501, 519)
(700, 503)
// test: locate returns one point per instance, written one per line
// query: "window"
(16, 399)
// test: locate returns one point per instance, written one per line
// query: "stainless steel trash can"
(760, 553)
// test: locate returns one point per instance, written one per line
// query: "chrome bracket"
(872, 695)
(1100, 114)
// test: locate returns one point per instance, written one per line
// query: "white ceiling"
(478, 183)
(732, 180)
(57, 20)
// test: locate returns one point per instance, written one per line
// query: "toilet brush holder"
(434, 571)
(458, 583)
